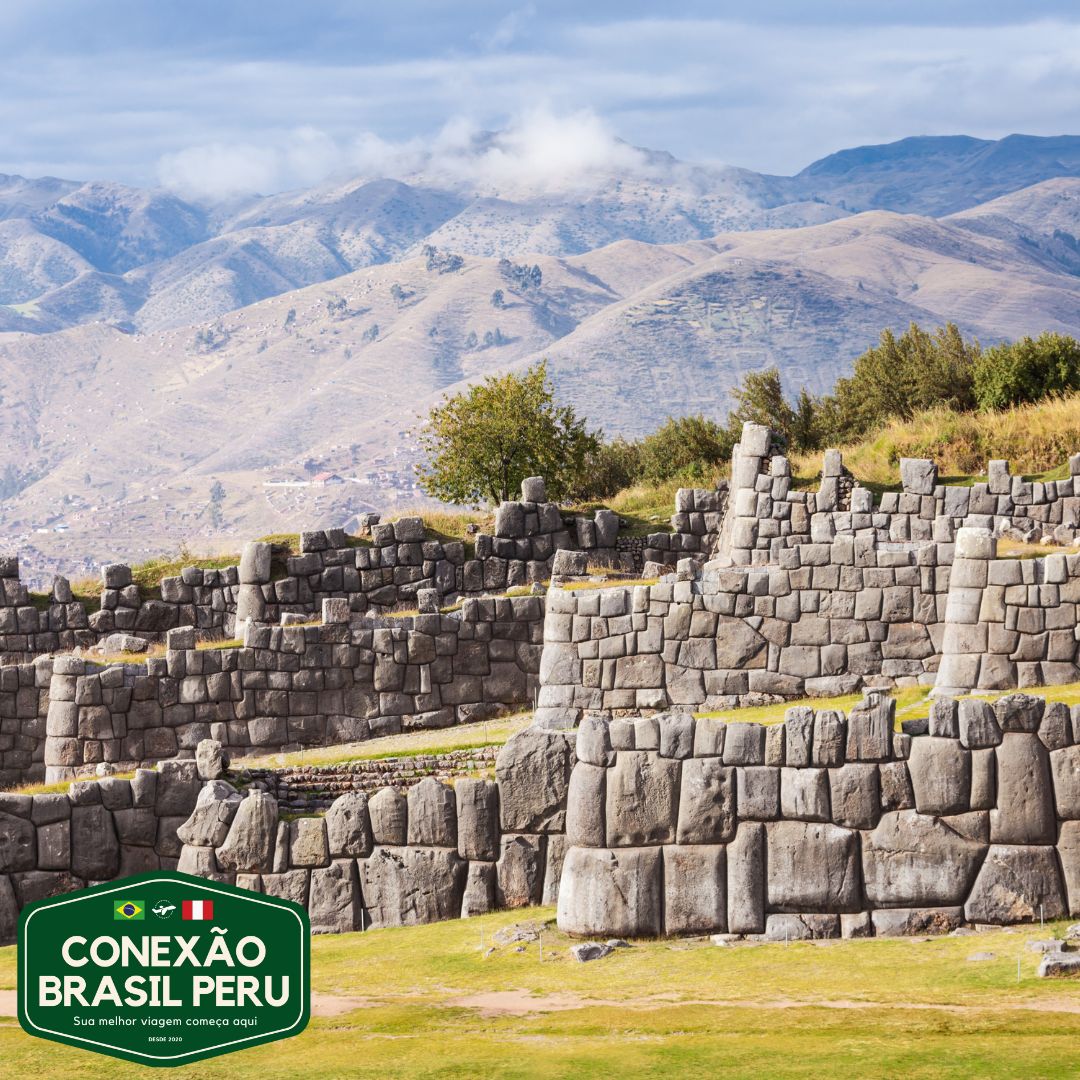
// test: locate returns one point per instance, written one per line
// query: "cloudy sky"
(217, 96)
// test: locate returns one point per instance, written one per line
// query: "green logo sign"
(164, 969)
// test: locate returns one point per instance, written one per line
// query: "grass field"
(427, 1002)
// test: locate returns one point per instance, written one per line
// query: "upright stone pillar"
(966, 663)
(254, 573)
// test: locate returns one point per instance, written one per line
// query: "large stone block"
(477, 818)
(1019, 712)
(585, 806)
(918, 475)
(389, 814)
(746, 879)
(479, 895)
(249, 847)
(804, 794)
(408, 886)
(177, 788)
(432, 814)
(916, 922)
(855, 796)
(940, 772)
(642, 799)
(1017, 884)
(308, 847)
(334, 898)
(18, 847)
(1025, 799)
(533, 771)
(607, 892)
(979, 727)
(870, 729)
(706, 802)
(1068, 849)
(695, 889)
(830, 737)
(738, 645)
(519, 873)
(348, 827)
(214, 811)
(812, 867)
(95, 850)
(1065, 769)
(912, 860)
(757, 790)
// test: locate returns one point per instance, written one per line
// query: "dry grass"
(407, 744)
(1007, 548)
(60, 787)
(609, 583)
(1035, 439)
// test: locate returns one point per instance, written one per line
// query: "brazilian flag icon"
(129, 910)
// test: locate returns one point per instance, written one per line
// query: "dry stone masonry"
(338, 681)
(825, 825)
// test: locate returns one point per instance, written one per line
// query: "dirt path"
(522, 1003)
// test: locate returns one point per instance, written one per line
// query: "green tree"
(1027, 370)
(901, 376)
(481, 443)
(687, 447)
(760, 400)
(613, 466)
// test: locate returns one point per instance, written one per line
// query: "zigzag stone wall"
(825, 825)
(336, 682)
(395, 859)
(822, 826)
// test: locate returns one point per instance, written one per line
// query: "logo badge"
(232, 972)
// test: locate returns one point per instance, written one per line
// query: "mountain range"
(177, 372)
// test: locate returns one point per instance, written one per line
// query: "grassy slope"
(888, 1008)
(1035, 439)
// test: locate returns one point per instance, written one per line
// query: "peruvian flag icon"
(197, 909)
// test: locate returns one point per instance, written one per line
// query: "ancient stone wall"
(824, 825)
(24, 701)
(828, 618)
(338, 681)
(767, 515)
(393, 859)
(26, 630)
(99, 830)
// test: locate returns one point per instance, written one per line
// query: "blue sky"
(232, 96)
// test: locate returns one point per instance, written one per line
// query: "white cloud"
(538, 149)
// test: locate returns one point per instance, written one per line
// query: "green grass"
(647, 508)
(911, 703)
(408, 744)
(680, 1008)
(1035, 439)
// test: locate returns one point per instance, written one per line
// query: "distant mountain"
(936, 175)
(149, 346)
(73, 253)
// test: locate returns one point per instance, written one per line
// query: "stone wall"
(24, 701)
(338, 681)
(825, 825)
(767, 515)
(1009, 622)
(829, 618)
(26, 630)
(99, 830)
(393, 859)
